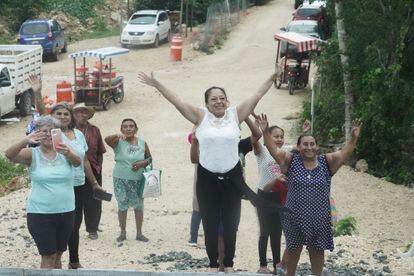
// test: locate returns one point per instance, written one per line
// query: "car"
(313, 11)
(305, 27)
(45, 32)
(146, 27)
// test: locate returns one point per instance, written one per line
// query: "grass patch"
(12, 176)
(99, 33)
(7, 39)
(345, 227)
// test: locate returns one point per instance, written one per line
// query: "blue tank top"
(52, 184)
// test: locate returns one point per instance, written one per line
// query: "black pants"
(270, 225)
(218, 193)
(73, 244)
(93, 207)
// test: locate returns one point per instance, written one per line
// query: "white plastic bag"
(152, 186)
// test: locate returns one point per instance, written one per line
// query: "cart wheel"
(106, 103)
(291, 86)
(119, 95)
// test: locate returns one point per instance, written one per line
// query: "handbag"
(152, 185)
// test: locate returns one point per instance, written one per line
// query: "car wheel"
(168, 38)
(291, 86)
(65, 48)
(55, 55)
(25, 104)
(156, 43)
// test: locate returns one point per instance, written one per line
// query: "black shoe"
(93, 235)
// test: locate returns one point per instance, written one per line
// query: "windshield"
(142, 19)
(309, 12)
(303, 29)
(31, 29)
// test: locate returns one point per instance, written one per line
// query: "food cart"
(101, 86)
(295, 63)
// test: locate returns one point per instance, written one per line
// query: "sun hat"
(80, 106)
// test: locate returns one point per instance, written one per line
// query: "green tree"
(380, 47)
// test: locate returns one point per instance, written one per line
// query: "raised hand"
(356, 128)
(121, 136)
(35, 82)
(306, 126)
(262, 121)
(148, 80)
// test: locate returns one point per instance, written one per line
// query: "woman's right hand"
(34, 138)
(121, 136)
(36, 83)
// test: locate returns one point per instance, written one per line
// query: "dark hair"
(129, 120)
(276, 127)
(208, 91)
(304, 135)
(64, 105)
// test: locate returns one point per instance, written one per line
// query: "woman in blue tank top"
(51, 201)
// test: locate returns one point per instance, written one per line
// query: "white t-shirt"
(218, 140)
(269, 170)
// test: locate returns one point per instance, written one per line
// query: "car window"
(142, 19)
(37, 28)
(4, 75)
(303, 29)
(309, 12)
(56, 26)
(162, 17)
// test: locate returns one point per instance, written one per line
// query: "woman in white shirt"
(220, 183)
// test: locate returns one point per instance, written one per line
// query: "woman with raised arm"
(309, 182)
(51, 201)
(220, 183)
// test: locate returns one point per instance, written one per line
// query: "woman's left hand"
(137, 165)
(356, 128)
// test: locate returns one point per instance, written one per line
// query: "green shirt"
(125, 155)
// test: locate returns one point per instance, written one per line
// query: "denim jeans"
(195, 225)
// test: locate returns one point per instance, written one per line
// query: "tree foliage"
(380, 40)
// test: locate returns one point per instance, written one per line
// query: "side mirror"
(124, 22)
(283, 29)
(5, 83)
(161, 23)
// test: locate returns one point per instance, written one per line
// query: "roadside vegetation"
(12, 176)
(380, 47)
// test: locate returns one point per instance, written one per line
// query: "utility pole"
(181, 17)
(186, 16)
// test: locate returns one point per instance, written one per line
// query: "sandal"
(142, 238)
(74, 265)
(121, 238)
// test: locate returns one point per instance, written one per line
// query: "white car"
(146, 27)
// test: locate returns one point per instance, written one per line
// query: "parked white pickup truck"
(17, 62)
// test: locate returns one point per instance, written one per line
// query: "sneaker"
(93, 235)
(264, 270)
(229, 269)
(141, 238)
(192, 244)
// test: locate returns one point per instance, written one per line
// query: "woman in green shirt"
(132, 155)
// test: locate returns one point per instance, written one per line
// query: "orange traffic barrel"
(176, 48)
(64, 92)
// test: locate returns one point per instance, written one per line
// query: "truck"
(17, 63)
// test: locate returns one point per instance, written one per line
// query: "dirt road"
(384, 212)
